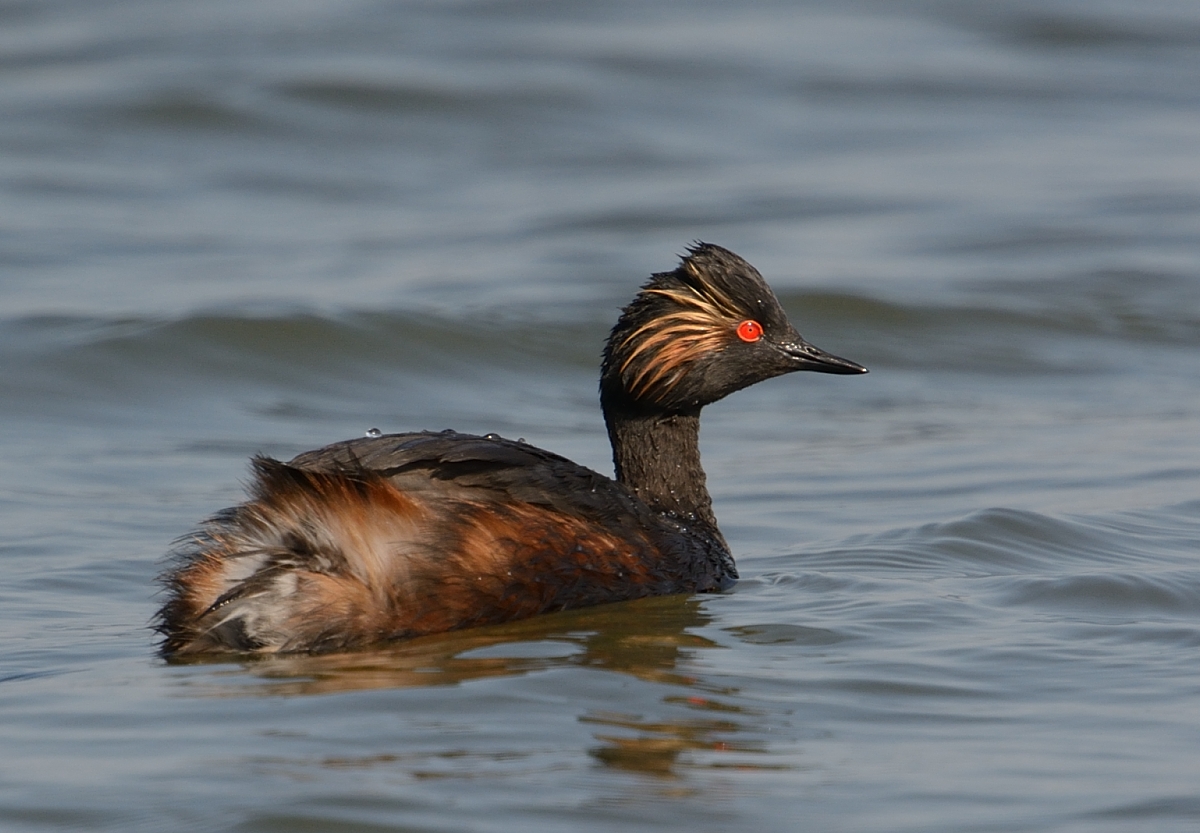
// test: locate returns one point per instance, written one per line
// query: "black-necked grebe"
(387, 537)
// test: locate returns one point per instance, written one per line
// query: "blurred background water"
(971, 595)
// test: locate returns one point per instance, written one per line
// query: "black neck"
(657, 457)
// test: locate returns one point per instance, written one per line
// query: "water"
(971, 595)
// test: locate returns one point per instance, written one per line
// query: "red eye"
(750, 330)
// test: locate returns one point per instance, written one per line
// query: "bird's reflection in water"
(662, 747)
(648, 638)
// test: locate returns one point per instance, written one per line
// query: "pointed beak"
(804, 356)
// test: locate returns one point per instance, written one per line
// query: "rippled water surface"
(971, 579)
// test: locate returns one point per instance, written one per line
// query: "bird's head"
(701, 332)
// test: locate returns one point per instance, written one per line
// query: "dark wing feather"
(499, 468)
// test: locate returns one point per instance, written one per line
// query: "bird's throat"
(657, 457)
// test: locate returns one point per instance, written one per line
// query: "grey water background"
(971, 595)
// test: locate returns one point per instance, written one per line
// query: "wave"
(984, 329)
(1095, 325)
(291, 347)
(1127, 564)
(1082, 323)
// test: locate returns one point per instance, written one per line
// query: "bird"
(393, 536)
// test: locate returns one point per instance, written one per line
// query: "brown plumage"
(389, 537)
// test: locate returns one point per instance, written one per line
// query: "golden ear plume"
(703, 323)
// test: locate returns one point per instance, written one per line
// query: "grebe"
(393, 536)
